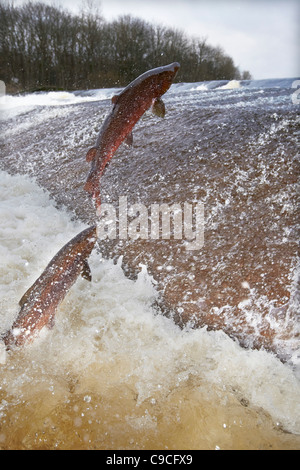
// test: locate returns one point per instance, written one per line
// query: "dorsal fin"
(91, 154)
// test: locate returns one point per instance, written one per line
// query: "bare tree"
(45, 47)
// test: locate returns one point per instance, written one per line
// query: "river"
(184, 339)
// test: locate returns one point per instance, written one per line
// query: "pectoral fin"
(86, 272)
(25, 297)
(158, 107)
(91, 154)
(129, 140)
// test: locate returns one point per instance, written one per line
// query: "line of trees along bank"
(44, 47)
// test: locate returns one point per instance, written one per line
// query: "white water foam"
(111, 321)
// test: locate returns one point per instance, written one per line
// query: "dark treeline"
(44, 47)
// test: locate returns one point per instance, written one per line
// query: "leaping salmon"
(141, 94)
(40, 301)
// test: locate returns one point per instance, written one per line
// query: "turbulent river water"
(186, 338)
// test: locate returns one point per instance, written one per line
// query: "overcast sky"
(261, 36)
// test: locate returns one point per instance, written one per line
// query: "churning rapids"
(166, 348)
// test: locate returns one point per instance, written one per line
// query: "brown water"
(115, 372)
